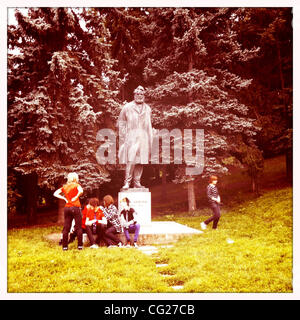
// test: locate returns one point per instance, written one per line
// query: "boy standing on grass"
(71, 192)
(214, 201)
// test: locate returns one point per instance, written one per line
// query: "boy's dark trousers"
(71, 213)
(216, 215)
(111, 236)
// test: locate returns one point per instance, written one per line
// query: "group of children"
(106, 222)
(103, 221)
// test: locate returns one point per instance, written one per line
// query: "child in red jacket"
(70, 193)
(95, 222)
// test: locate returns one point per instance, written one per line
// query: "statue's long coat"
(135, 133)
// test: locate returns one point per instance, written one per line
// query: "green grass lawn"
(251, 251)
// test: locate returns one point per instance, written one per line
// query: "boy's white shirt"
(103, 220)
(218, 199)
(124, 223)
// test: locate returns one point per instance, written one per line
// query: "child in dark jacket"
(129, 222)
(214, 201)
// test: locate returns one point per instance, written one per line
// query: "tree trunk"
(191, 190)
(61, 205)
(99, 195)
(288, 154)
(254, 179)
(289, 164)
(163, 182)
(280, 65)
(122, 93)
(191, 196)
(30, 182)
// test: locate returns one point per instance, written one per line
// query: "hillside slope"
(234, 188)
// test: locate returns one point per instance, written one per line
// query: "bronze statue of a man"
(135, 133)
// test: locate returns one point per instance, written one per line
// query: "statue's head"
(139, 95)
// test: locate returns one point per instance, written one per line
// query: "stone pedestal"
(154, 233)
(140, 201)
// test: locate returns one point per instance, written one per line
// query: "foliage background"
(70, 70)
(261, 258)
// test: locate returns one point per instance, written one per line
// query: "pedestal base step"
(157, 232)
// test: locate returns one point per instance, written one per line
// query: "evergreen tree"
(61, 90)
(270, 93)
(127, 43)
(192, 85)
